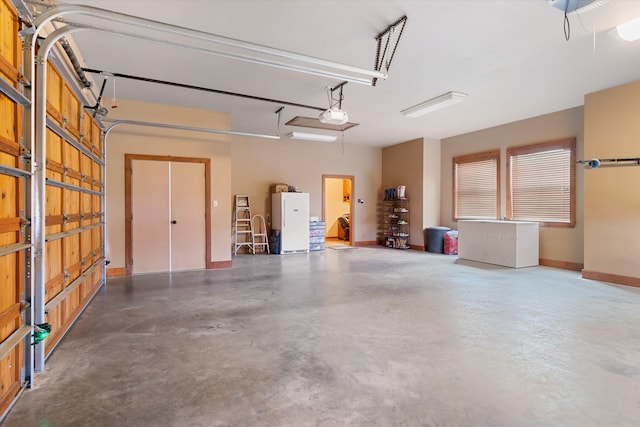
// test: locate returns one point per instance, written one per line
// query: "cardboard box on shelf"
(279, 188)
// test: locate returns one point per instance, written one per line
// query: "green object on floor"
(41, 332)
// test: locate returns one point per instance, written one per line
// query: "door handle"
(174, 222)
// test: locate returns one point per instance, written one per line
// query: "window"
(541, 183)
(476, 186)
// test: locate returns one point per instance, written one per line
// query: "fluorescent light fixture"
(312, 136)
(629, 31)
(434, 104)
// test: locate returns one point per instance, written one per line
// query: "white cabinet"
(508, 243)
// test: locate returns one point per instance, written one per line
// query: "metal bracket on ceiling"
(99, 110)
(392, 33)
(277, 112)
(335, 102)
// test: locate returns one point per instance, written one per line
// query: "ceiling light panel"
(434, 104)
(312, 136)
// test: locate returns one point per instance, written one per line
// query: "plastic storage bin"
(434, 239)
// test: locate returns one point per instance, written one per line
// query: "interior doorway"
(166, 227)
(337, 208)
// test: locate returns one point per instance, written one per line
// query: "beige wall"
(557, 244)
(612, 195)
(431, 185)
(259, 163)
(240, 165)
(334, 206)
(142, 140)
(402, 164)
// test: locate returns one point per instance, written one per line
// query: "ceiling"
(511, 57)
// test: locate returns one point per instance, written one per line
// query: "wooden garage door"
(13, 220)
(73, 207)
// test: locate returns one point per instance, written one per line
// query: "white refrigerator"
(290, 215)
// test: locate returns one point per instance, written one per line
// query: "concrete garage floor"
(366, 336)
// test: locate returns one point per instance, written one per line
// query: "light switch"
(215, 203)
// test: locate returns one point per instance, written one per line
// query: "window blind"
(541, 183)
(476, 182)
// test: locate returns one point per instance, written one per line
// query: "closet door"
(187, 211)
(150, 226)
(168, 216)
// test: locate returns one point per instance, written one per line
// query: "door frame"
(352, 221)
(128, 214)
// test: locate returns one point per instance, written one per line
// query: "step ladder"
(242, 230)
(260, 238)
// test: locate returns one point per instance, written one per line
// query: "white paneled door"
(187, 216)
(168, 216)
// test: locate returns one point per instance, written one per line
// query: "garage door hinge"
(25, 152)
(24, 222)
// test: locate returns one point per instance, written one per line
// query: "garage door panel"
(72, 165)
(12, 266)
(54, 149)
(96, 139)
(54, 317)
(86, 171)
(97, 176)
(86, 253)
(96, 208)
(11, 282)
(71, 248)
(86, 206)
(53, 210)
(96, 243)
(10, 376)
(10, 129)
(70, 112)
(71, 208)
(54, 93)
(54, 270)
(9, 210)
(85, 135)
(11, 46)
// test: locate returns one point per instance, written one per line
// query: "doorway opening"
(337, 209)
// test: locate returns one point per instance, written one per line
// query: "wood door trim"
(128, 239)
(352, 221)
(116, 272)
